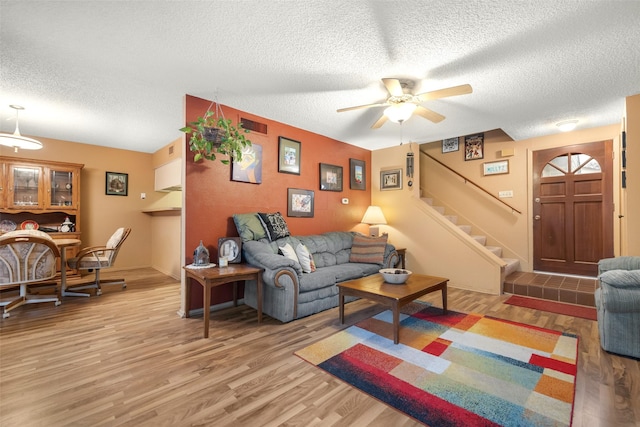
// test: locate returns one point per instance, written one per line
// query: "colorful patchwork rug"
(456, 369)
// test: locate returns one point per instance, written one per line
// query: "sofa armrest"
(619, 263)
(618, 300)
(623, 279)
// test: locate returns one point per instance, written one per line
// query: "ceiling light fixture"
(567, 125)
(16, 140)
(400, 112)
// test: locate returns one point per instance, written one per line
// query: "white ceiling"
(115, 73)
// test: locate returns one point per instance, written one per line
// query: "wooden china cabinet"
(40, 194)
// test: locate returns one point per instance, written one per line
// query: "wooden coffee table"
(394, 296)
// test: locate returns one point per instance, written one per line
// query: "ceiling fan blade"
(382, 120)
(358, 107)
(393, 86)
(443, 93)
(428, 114)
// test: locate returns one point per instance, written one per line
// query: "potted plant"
(212, 133)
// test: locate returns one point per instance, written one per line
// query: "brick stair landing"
(570, 289)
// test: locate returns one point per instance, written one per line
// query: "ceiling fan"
(401, 105)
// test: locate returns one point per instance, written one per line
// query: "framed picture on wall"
(495, 168)
(117, 184)
(330, 177)
(450, 144)
(474, 146)
(357, 174)
(391, 179)
(300, 203)
(249, 169)
(288, 155)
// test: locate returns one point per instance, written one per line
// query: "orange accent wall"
(211, 198)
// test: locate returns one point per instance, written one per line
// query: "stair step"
(465, 228)
(427, 200)
(440, 209)
(496, 250)
(452, 218)
(512, 266)
(480, 239)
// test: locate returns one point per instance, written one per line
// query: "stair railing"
(467, 180)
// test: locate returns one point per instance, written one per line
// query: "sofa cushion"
(321, 278)
(368, 249)
(305, 259)
(249, 226)
(275, 225)
(329, 248)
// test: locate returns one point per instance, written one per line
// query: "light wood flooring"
(126, 359)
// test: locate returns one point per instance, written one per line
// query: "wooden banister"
(467, 180)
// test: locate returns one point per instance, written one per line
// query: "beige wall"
(102, 214)
(631, 196)
(166, 226)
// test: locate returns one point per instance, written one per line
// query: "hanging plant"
(212, 134)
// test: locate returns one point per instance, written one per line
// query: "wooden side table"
(216, 276)
(402, 253)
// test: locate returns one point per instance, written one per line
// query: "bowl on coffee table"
(395, 276)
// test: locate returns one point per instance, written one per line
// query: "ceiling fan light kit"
(16, 140)
(398, 113)
(400, 106)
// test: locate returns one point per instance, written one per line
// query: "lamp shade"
(373, 215)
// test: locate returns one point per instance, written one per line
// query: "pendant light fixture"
(16, 140)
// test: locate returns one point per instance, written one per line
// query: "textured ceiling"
(115, 73)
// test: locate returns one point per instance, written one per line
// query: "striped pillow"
(369, 250)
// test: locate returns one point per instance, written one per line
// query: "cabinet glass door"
(26, 185)
(61, 188)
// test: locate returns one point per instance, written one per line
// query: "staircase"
(512, 263)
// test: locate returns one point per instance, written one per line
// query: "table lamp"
(374, 216)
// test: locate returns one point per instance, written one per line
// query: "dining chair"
(27, 257)
(97, 258)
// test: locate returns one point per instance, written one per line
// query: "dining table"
(63, 244)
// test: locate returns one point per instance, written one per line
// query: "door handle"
(537, 217)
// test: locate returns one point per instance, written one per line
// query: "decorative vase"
(201, 255)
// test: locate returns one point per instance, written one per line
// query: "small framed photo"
(391, 179)
(288, 155)
(117, 184)
(230, 248)
(249, 169)
(330, 177)
(450, 144)
(300, 203)
(474, 146)
(495, 168)
(357, 174)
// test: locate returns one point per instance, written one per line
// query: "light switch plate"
(505, 194)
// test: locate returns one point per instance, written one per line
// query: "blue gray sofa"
(293, 289)
(618, 304)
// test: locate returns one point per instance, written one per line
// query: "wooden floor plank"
(126, 359)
